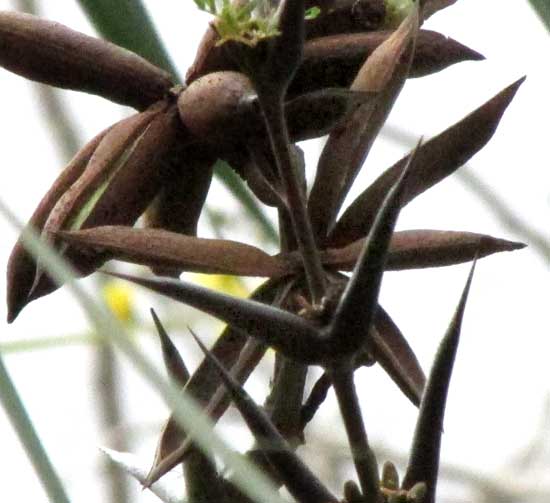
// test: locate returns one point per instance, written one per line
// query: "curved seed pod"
(53, 54)
(119, 188)
(414, 249)
(315, 114)
(161, 248)
(392, 351)
(22, 265)
(334, 61)
(437, 158)
(180, 200)
(179, 203)
(114, 146)
(382, 75)
(138, 178)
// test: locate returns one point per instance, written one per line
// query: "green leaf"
(238, 189)
(542, 8)
(21, 422)
(127, 23)
(312, 13)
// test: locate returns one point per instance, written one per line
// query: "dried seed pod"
(121, 179)
(53, 54)
(214, 106)
(335, 60)
(72, 208)
(21, 264)
(315, 114)
(164, 249)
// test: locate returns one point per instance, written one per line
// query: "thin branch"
(363, 456)
(272, 107)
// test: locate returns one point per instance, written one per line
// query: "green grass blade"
(27, 435)
(235, 185)
(47, 342)
(542, 8)
(186, 411)
(128, 24)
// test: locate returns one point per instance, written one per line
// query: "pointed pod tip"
(489, 244)
(514, 86)
(13, 312)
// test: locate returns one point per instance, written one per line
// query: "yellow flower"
(231, 285)
(119, 297)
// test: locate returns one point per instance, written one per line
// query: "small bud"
(352, 493)
(417, 493)
(53, 54)
(390, 477)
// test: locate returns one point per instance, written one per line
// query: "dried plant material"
(364, 458)
(21, 265)
(315, 399)
(173, 361)
(213, 106)
(233, 350)
(394, 354)
(209, 57)
(353, 317)
(53, 54)
(383, 74)
(238, 108)
(334, 61)
(267, 324)
(72, 209)
(122, 177)
(175, 444)
(424, 458)
(414, 249)
(178, 205)
(437, 159)
(296, 476)
(315, 114)
(158, 248)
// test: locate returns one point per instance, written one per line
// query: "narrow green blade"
(128, 24)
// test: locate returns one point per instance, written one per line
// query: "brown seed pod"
(215, 106)
(53, 54)
(21, 265)
(121, 179)
(334, 61)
